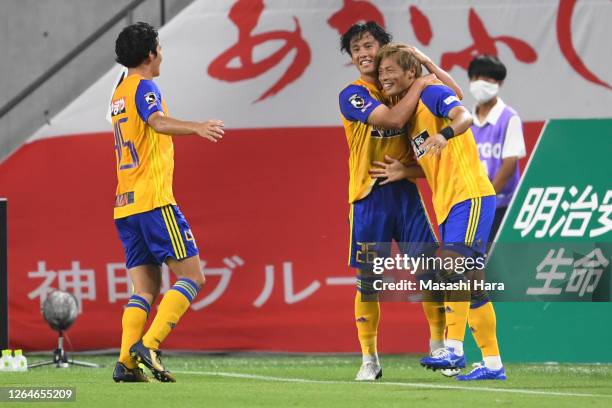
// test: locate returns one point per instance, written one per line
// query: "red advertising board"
(268, 209)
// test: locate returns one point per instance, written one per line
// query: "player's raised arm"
(442, 75)
(211, 129)
(397, 116)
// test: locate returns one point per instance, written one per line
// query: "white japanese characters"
(548, 212)
(553, 270)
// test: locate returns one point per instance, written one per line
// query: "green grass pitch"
(261, 380)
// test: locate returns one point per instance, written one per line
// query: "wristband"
(448, 132)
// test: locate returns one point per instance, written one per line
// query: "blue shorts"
(150, 237)
(390, 212)
(467, 227)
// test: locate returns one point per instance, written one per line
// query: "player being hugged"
(463, 200)
(381, 211)
(151, 227)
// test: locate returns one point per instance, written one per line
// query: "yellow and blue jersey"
(367, 143)
(145, 158)
(455, 175)
(379, 214)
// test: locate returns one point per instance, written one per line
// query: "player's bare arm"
(441, 74)
(394, 170)
(461, 120)
(504, 173)
(211, 129)
(397, 116)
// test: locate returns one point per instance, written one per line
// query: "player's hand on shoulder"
(434, 144)
(211, 130)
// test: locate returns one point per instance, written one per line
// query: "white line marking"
(341, 281)
(399, 384)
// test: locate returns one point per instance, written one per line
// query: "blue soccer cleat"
(151, 359)
(443, 358)
(483, 373)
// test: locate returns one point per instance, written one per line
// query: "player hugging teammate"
(385, 204)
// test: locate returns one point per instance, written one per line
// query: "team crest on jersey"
(150, 98)
(417, 141)
(118, 107)
(357, 101)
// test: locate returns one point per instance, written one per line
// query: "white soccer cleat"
(369, 371)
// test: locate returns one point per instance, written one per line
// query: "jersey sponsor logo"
(357, 101)
(450, 100)
(150, 98)
(417, 141)
(377, 132)
(118, 107)
(124, 199)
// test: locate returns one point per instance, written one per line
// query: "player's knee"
(197, 277)
(188, 268)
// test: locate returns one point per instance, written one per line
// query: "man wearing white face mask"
(498, 131)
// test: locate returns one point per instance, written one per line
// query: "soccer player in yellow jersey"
(463, 198)
(150, 225)
(379, 212)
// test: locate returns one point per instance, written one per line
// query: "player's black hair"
(359, 29)
(134, 44)
(487, 66)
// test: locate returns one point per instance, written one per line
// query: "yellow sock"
(367, 316)
(173, 305)
(482, 322)
(434, 312)
(133, 322)
(456, 314)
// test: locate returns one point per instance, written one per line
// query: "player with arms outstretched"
(150, 225)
